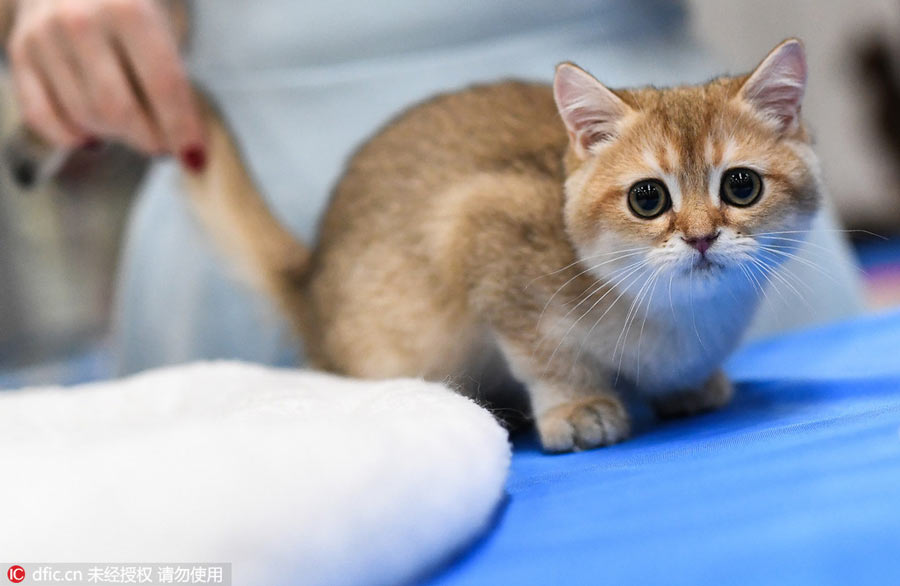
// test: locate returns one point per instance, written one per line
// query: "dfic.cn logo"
(15, 574)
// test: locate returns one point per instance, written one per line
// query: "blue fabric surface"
(92, 364)
(877, 252)
(796, 482)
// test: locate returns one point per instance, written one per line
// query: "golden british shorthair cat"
(585, 241)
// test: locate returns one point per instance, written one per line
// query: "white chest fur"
(664, 342)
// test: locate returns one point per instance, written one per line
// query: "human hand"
(86, 70)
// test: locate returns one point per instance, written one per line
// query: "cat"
(584, 241)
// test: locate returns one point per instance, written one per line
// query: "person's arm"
(86, 70)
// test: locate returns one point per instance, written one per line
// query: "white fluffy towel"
(294, 477)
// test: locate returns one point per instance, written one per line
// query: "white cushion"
(294, 477)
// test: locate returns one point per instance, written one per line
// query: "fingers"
(64, 83)
(36, 97)
(119, 112)
(152, 54)
(106, 68)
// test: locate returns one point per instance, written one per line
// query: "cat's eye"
(648, 198)
(740, 187)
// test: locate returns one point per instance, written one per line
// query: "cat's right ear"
(775, 88)
(591, 112)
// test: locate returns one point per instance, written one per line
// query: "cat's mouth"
(704, 265)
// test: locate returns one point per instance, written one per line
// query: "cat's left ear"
(592, 113)
(775, 88)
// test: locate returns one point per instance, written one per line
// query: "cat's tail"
(259, 247)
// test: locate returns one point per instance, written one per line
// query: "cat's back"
(426, 150)
(478, 127)
(386, 293)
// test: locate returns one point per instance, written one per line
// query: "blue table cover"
(796, 482)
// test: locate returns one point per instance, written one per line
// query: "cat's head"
(695, 181)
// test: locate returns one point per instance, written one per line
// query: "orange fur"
(469, 228)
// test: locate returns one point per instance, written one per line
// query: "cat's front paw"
(716, 393)
(584, 424)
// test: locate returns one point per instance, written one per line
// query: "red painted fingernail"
(194, 158)
(92, 144)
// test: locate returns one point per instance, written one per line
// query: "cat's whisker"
(775, 272)
(795, 244)
(615, 286)
(752, 281)
(693, 313)
(581, 261)
(612, 287)
(786, 247)
(780, 250)
(599, 285)
(608, 309)
(586, 338)
(671, 302)
(803, 261)
(759, 285)
(641, 333)
(616, 278)
(632, 312)
(811, 230)
(731, 294)
(587, 270)
(591, 288)
(802, 243)
(799, 250)
(801, 246)
(749, 272)
(786, 271)
(628, 317)
(766, 271)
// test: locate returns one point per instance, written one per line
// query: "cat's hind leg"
(716, 393)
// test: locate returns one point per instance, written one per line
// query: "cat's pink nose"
(702, 243)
